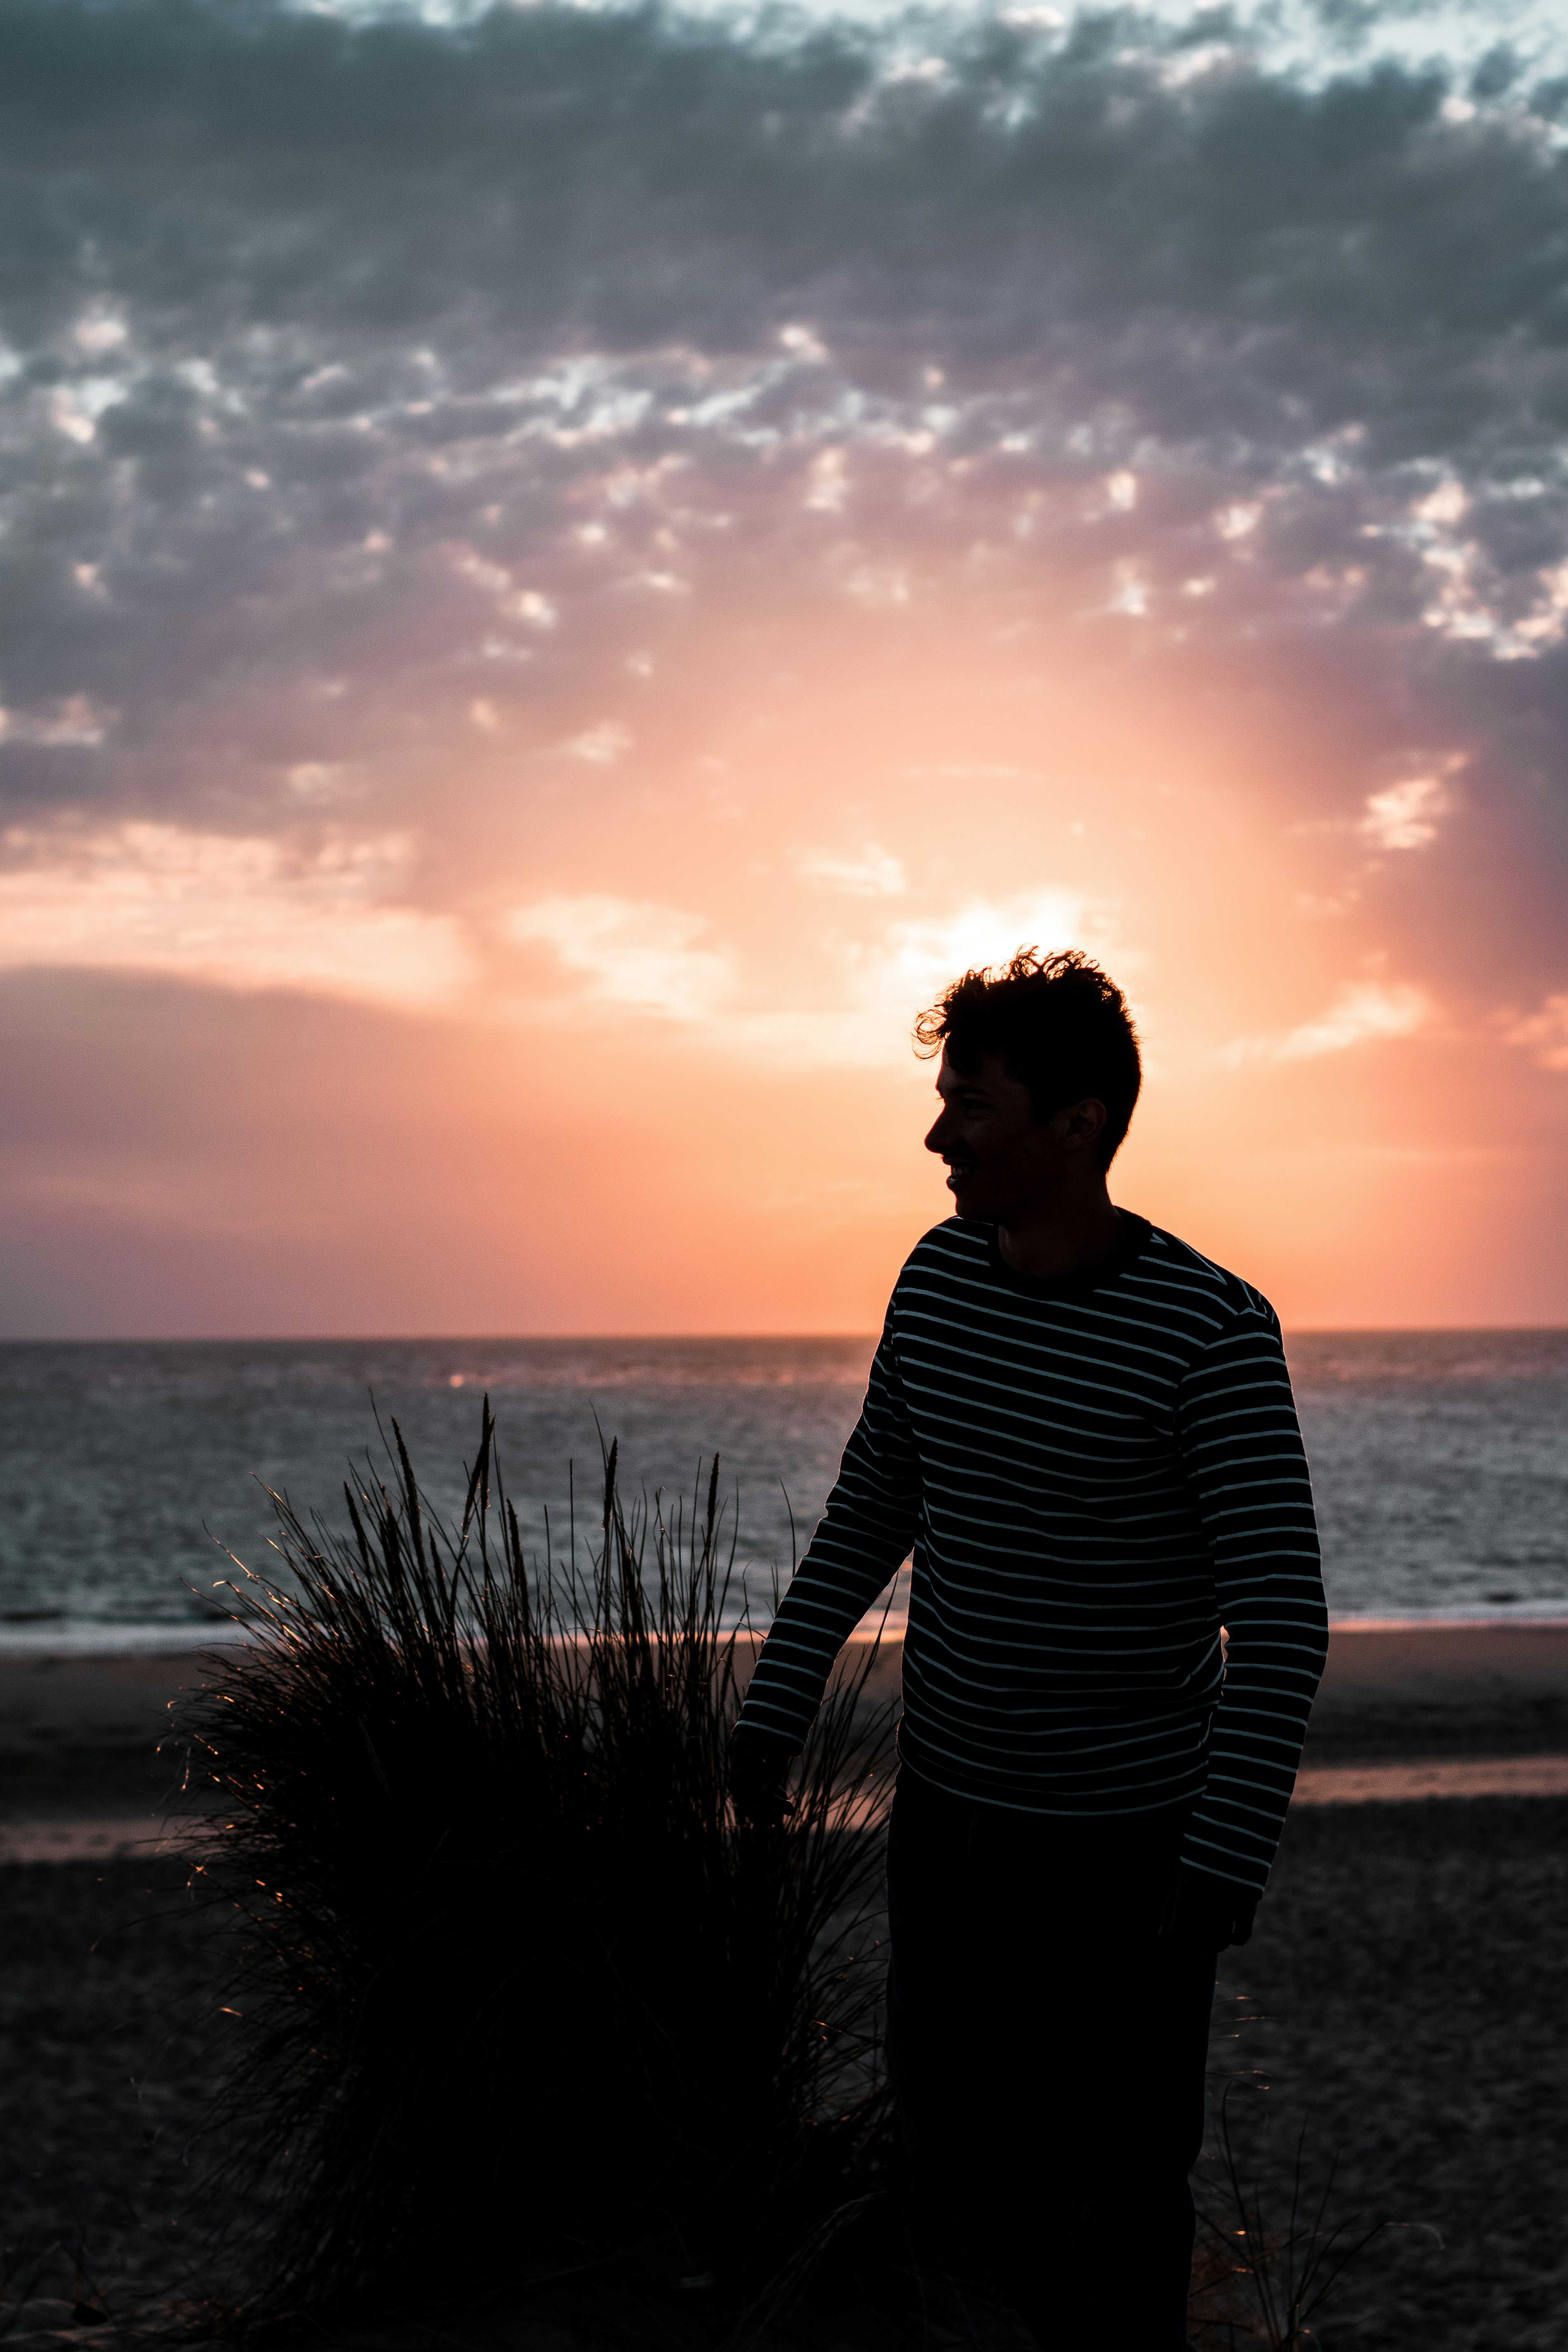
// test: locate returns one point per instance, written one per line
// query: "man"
(1086, 1432)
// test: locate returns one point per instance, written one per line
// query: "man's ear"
(1081, 1124)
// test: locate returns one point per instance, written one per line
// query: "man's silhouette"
(1085, 1431)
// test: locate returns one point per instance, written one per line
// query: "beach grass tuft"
(518, 1995)
(1257, 2281)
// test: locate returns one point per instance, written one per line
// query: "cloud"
(363, 350)
(640, 956)
(914, 961)
(232, 912)
(1364, 1013)
(875, 873)
(70, 722)
(1404, 816)
(881, 980)
(600, 746)
(651, 958)
(598, 276)
(1545, 1034)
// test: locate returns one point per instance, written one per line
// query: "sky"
(564, 569)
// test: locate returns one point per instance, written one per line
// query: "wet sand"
(79, 1736)
(1479, 1670)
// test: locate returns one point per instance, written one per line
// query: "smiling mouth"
(958, 1171)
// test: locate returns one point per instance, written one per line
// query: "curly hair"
(1061, 1026)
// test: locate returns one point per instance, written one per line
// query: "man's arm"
(1241, 1447)
(864, 1536)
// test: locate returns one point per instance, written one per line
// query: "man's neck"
(1061, 1238)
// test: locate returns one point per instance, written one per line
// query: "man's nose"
(938, 1135)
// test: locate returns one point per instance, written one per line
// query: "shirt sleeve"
(1242, 1452)
(863, 1539)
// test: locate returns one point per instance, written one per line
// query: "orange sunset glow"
(529, 666)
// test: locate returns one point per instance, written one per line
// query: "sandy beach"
(1401, 2001)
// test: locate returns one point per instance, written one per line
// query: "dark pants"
(1047, 2056)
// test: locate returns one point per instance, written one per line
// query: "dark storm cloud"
(333, 344)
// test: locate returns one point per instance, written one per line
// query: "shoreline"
(1484, 1642)
(1432, 1711)
(177, 1645)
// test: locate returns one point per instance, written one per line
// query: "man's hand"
(1207, 1914)
(759, 1769)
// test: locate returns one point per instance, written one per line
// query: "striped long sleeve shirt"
(1095, 1476)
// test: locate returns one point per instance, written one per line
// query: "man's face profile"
(1001, 1159)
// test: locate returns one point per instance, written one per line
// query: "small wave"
(89, 1639)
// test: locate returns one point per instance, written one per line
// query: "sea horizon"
(622, 1336)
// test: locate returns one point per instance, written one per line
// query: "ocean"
(129, 1471)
